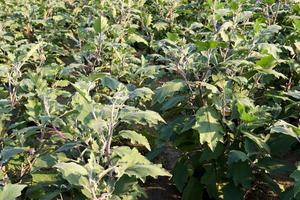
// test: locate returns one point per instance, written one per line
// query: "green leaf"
(48, 177)
(271, 49)
(9, 152)
(180, 175)
(232, 192)
(258, 141)
(83, 107)
(160, 26)
(137, 38)
(296, 176)
(98, 125)
(173, 101)
(236, 156)
(125, 184)
(133, 163)
(209, 179)
(208, 126)
(100, 24)
(224, 28)
(96, 76)
(4, 70)
(111, 83)
(211, 87)
(294, 93)
(267, 61)
(141, 171)
(73, 173)
(33, 109)
(193, 190)
(61, 83)
(32, 51)
(143, 93)
(134, 116)
(275, 166)
(83, 90)
(168, 89)
(282, 140)
(173, 36)
(246, 116)
(274, 28)
(135, 138)
(241, 174)
(71, 168)
(209, 155)
(272, 72)
(11, 191)
(45, 161)
(286, 128)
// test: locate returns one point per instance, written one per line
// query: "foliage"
(87, 88)
(68, 106)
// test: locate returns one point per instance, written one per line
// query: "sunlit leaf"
(208, 126)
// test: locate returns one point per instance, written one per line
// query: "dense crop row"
(91, 93)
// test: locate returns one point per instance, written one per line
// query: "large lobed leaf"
(208, 126)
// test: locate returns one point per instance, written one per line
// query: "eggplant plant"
(92, 92)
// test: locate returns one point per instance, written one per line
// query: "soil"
(161, 189)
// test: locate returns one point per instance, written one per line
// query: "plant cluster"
(91, 92)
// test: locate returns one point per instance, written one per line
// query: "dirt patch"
(261, 191)
(161, 189)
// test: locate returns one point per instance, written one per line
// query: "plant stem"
(110, 134)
